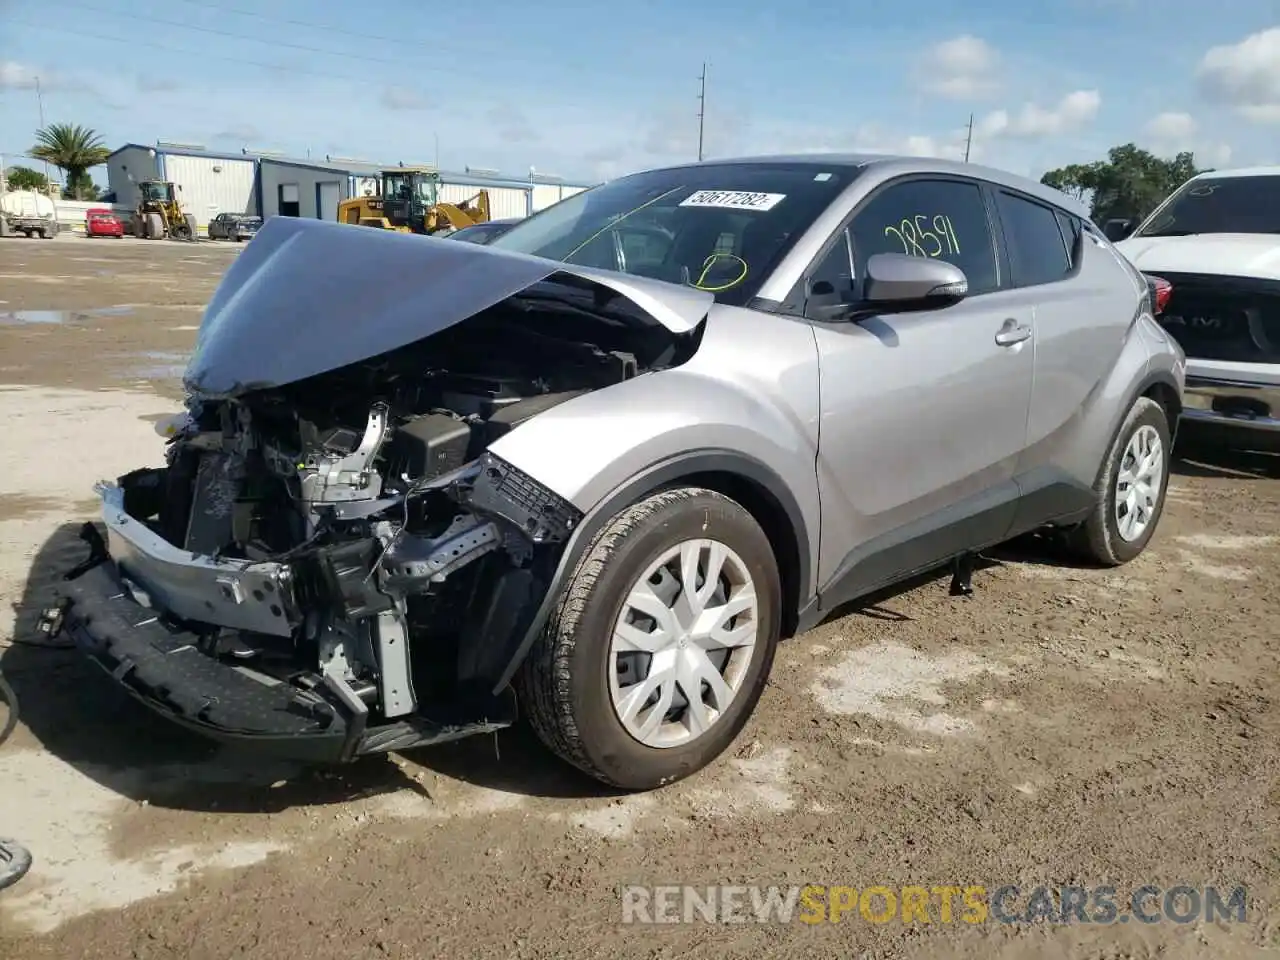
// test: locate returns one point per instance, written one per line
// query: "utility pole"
(968, 140)
(702, 105)
(40, 107)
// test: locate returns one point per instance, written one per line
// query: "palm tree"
(73, 149)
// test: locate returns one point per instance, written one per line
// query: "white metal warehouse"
(210, 183)
(306, 188)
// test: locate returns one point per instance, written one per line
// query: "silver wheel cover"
(682, 643)
(1138, 482)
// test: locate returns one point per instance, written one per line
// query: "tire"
(1100, 539)
(568, 685)
(155, 226)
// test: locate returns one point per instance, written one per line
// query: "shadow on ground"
(1221, 461)
(81, 717)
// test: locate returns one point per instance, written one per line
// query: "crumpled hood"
(1225, 254)
(308, 296)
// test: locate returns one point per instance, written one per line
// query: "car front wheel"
(661, 642)
(1130, 488)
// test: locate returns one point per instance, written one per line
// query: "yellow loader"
(409, 201)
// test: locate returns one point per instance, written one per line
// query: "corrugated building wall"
(294, 189)
(127, 167)
(271, 185)
(504, 201)
(548, 194)
(212, 185)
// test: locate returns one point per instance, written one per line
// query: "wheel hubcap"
(1139, 482)
(682, 643)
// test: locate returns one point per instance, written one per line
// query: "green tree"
(24, 178)
(1130, 183)
(74, 150)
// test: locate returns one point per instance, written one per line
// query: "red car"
(101, 222)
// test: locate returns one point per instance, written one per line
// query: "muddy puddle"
(44, 317)
(152, 365)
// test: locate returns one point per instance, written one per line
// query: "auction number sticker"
(733, 199)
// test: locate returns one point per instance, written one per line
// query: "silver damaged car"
(591, 473)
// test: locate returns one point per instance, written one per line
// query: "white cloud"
(16, 76)
(1245, 75)
(1075, 110)
(1171, 126)
(961, 68)
(1173, 132)
(403, 98)
(242, 133)
(154, 83)
(512, 125)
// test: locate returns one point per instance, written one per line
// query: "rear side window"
(1071, 230)
(1037, 251)
(944, 219)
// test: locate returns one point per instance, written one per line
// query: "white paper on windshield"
(733, 199)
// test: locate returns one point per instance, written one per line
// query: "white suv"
(1216, 239)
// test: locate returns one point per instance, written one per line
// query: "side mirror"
(1117, 229)
(897, 283)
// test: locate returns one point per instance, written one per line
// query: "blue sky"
(589, 90)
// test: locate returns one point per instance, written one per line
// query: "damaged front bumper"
(141, 609)
(162, 667)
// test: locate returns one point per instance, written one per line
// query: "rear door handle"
(1011, 333)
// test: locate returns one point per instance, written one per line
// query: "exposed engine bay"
(350, 537)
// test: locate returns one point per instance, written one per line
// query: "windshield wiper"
(1172, 233)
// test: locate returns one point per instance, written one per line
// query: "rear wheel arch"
(1164, 391)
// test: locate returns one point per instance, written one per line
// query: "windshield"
(1219, 205)
(409, 186)
(719, 227)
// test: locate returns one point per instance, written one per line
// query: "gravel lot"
(1063, 726)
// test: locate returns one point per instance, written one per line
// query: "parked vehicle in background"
(234, 226)
(102, 222)
(484, 232)
(29, 213)
(599, 466)
(1216, 239)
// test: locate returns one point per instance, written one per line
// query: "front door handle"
(1011, 333)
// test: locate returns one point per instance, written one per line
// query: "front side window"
(722, 228)
(1219, 205)
(943, 219)
(1037, 252)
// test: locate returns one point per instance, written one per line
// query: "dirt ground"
(1062, 726)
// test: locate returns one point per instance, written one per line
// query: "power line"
(238, 36)
(169, 48)
(328, 28)
(702, 105)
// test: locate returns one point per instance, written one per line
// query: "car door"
(1083, 304)
(924, 413)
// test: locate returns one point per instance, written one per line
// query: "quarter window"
(1071, 229)
(1037, 252)
(834, 275)
(945, 219)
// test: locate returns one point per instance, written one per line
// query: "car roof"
(1238, 172)
(896, 164)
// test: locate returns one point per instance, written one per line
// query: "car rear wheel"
(661, 643)
(1130, 488)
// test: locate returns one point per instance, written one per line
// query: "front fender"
(734, 408)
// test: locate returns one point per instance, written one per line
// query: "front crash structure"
(332, 562)
(375, 634)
